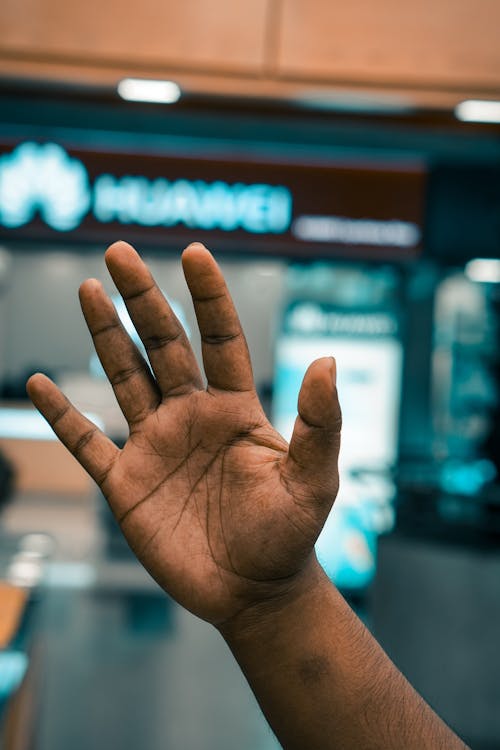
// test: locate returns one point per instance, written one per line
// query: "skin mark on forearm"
(313, 669)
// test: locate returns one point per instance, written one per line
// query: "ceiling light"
(356, 103)
(145, 90)
(478, 110)
(485, 270)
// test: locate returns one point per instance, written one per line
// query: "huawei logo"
(44, 179)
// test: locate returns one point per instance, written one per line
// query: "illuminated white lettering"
(356, 231)
(254, 208)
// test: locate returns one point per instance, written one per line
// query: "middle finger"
(169, 351)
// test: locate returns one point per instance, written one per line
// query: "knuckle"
(83, 441)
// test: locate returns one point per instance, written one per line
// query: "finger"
(225, 352)
(128, 373)
(169, 351)
(314, 448)
(91, 448)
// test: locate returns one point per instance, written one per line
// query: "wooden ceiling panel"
(217, 34)
(443, 44)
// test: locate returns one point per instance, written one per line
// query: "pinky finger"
(92, 449)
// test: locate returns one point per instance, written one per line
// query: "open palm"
(213, 501)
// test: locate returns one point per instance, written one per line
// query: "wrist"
(271, 613)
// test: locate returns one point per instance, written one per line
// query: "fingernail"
(333, 370)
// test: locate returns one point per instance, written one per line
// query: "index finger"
(225, 353)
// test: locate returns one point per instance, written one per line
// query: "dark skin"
(204, 482)
(224, 513)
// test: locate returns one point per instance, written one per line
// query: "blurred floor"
(436, 611)
(123, 667)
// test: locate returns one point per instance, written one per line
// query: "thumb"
(314, 448)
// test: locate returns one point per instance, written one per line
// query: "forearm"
(323, 681)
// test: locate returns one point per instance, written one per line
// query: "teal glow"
(257, 209)
(42, 179)
(13, 666)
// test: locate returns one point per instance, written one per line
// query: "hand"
(215, 504)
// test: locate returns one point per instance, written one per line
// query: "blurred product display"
(351, 312)
(455, 493)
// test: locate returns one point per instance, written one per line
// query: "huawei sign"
(43, 178)
(373, 210)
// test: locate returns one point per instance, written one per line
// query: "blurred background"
(343, 163)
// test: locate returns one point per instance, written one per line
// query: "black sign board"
(464, 213)
(49, 192)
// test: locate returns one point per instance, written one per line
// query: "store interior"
(375, 239)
